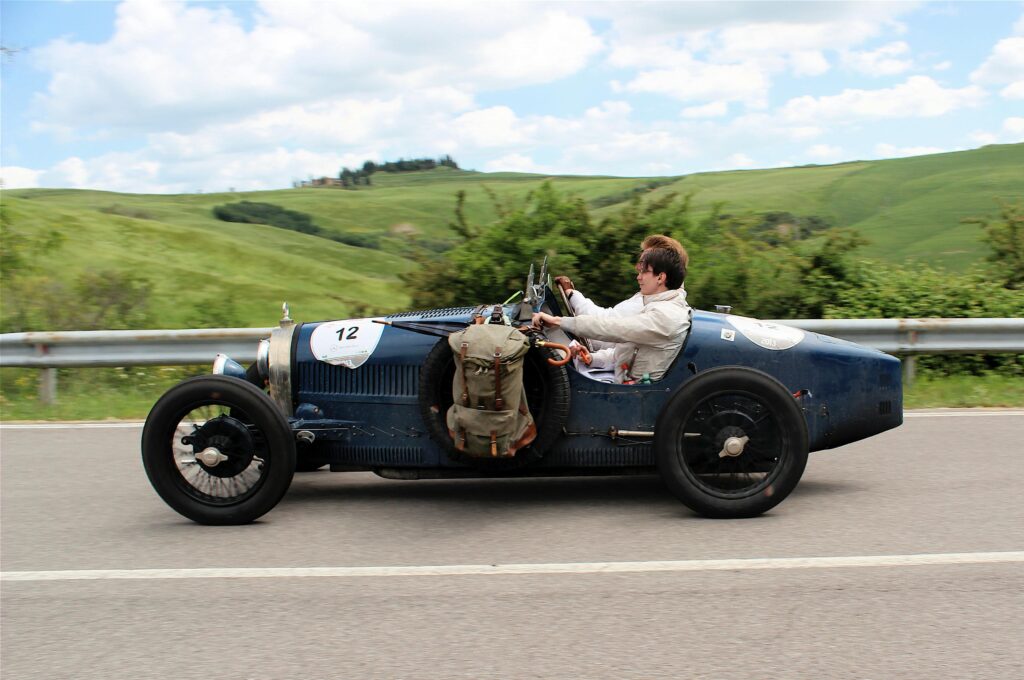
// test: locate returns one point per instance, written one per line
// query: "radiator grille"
(433, 313)
(382, 380)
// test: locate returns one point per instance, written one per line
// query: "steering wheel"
(568, 312)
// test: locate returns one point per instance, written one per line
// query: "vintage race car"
(728, 428)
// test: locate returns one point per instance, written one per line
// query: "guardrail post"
(909, 369)
(48, 385)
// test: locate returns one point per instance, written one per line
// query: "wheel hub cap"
(733, 446)
(210, 456)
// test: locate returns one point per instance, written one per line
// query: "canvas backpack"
(489, 416)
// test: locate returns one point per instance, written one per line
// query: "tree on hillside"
(732, 259)
(489, 264)
(1005, 237)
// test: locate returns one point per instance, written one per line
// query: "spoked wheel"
(731, 443)
(218, 451)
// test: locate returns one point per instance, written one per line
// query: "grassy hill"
(907, 208)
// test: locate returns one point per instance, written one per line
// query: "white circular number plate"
(764, 334)
(345, 343)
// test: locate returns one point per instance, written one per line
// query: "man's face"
(649, 282)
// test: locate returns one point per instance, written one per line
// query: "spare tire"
(547, 394)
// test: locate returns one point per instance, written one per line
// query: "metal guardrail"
(50, 350)
(200, 346)
(923, 336)
(58, 349)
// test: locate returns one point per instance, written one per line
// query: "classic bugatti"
(728, 428)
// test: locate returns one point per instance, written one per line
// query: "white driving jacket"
(646, 342)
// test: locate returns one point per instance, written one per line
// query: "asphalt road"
(944, 485)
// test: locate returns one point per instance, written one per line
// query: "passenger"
(647, 341)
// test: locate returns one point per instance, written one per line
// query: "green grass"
(89, 393)
(965, 391)
(908, 208)
(128, 394)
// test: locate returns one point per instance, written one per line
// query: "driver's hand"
(564, 282)
(541, 319)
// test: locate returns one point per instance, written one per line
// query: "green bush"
(778, 265)
(251, 212)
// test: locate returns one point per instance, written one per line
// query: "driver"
(581, 304)
(648, 340)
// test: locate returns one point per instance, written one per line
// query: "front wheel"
(218, 451)
(732, 442)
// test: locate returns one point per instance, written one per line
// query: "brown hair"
(662, 241)
(664, 261)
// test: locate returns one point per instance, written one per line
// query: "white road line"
(510, 569)
(959, 414)
(109, 426)
(71, 426)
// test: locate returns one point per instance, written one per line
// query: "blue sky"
(172, 97)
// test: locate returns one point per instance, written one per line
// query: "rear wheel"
(732, 442)
(218, 451)
(547, 395)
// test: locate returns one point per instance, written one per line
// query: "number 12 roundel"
(346, 343)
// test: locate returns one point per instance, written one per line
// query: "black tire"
(238, 421)
(547, 394)
(702, 425)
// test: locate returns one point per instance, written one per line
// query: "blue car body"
(728, 427)
(371, 417)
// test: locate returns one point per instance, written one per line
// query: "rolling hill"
(908, 208)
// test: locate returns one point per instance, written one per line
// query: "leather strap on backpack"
(499, 403)
(462, 359)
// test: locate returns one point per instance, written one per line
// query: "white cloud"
(942, 66)
(515, 162)
(722, 52)
(146, 171)
(887, 60)
(738, 161)
(1013, 90)
(982, 138)
(70, 172)
(712, 110)
(809, 63)
(556, 46)
(761, 126)
(824, 152)
(176, 65)
(652, 21)
(692, 80)
(918, 96)
(301, 88)
(497, 126)
(1004, 66)
(1011, 131)
(892, 151)
(15, 177)
(267, 150)
(767, 39)
(1013, 128)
